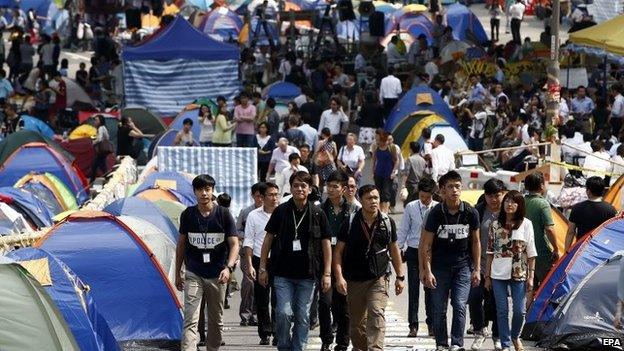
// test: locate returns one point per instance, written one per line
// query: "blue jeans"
(294, 297)
(518, 300)
(245, 140)
(456, 281)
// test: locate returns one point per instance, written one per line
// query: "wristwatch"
(400, 278)
(231, 269)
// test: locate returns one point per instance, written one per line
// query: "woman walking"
(510, 267)
(325, 157)
(102, 146)
(206, 124)
(265, 144)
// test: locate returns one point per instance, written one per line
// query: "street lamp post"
(554, 87)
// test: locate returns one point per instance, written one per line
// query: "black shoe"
(274, 343)
(340, 348)
(326, 347)
(253, 323)
(314, 325)
(244, 323)
(265, 341)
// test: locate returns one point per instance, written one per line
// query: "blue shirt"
(5, 88)
(411, 223)
(477, 93)
(582, 106)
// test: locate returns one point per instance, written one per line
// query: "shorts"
(385, 188)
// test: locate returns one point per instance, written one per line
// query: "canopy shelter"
(50, 190)
(420, 107)
(606, 38)
(222, 24)
(71, 296)
(30, 319)
(176, 66)
(140, 306)
(589, 252)
(466, 25)
(144, 209)
(41, 158)
(585, 316)
(29, 206)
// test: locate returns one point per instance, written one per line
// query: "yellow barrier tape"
(582, 169)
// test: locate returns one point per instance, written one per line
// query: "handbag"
(104, 147)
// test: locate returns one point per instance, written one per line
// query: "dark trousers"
(333, 304)
(263, 168)
(413, 292)
(515, 30)
(262, 296)
(98, 163)
(245, 140)
(616, 125)
(494, 28)
(482, 308)
(475, 144)
(388, 105)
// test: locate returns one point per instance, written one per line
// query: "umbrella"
(453, 50)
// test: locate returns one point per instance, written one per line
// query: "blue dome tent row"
(175, 182)
(176, 65)
(71, 296)
(137, 207)
(140, 306)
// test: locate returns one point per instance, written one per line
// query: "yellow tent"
(83, 131)
(608, 36)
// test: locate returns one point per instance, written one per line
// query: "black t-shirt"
(124, 141)
(588, 215)
(451, 234)
(206, 240)
(356, 261)
(294, 264)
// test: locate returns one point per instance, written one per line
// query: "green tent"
(13, 142)
(29, 319)
(60, 191)
(171, 209)
(145, 120)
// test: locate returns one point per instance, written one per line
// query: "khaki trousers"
(194, 288)
(367, 305)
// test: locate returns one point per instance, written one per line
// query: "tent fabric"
(163, 139)
(235, 168)
(178, 65)
(145, 120)
(137, 207)
(41, 158)
(15, 140)
(172, 209)
(281, 91)
(37, 125)
(84, 153)
(410, 26)
(614, 194)
(46, 195)
(73, 299)
(221, 24)
(28, 205)
(30, 320)
(607, 36)
(130, 287)
(170, 180)
(12, 222)
(586, 314)
(75, 93)
(83, 131)
(466, 26)
(60, 190)
(589, 252)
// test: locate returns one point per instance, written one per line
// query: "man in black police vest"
(451, 248)
(367, 242)
(208, 246)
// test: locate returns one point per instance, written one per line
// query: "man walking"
(366, 245)
(252, 247)
(298, 240)
(516, 11)
(208, 247)
(332, 303)
(408, 239)
(389, 91)
(451, 248)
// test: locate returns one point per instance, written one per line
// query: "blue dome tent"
(36, 125)
(29, 206)
(466, 26)
(72, 297)
(174, 182)
(137, 207)
(281, 91)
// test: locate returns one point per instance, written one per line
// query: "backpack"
(378, 260)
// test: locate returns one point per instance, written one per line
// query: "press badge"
(297, 245)
(334, 241)
(206, 258)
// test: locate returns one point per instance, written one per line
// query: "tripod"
(261, 24)
(328, 27)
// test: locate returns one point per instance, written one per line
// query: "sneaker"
(253, 323)
(478, 342)
(244, 323)
(413, 333)
(497, 344)
(264, 341)
(470, 330)
(326, 347)
(441, 348)
(456, 348)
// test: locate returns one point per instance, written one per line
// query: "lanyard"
(203, 230)
(370, 234)
(297, 225)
